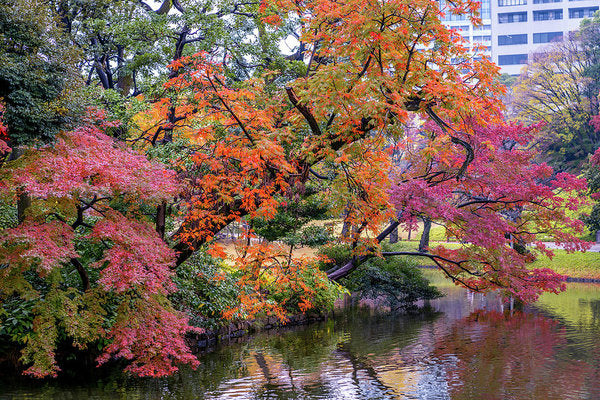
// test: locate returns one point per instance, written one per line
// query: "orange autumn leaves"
(369, 65)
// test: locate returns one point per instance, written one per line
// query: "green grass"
(577, 265)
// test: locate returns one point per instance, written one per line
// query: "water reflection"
(468, 346)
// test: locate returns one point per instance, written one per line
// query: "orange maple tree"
(371, 68)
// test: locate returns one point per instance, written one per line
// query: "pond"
(467, 346)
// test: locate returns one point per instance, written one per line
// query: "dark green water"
(468, 347)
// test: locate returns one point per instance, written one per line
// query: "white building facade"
(520, 27)
(513, 29)
(476, 35)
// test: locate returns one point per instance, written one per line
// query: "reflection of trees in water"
(364, 354)
(595, 308)
(503, 355)
(332, 358)
(366, 382)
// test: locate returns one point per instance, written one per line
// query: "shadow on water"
(467, 346)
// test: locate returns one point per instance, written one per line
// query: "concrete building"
(513, 29)
(480, 35)
(519, 27)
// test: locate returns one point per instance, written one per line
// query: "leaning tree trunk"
(394, 236)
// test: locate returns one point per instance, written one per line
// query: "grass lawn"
(577, 265)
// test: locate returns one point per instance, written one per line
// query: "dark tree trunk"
(339, 272)
(23, 200)
(23, 203)
(424, 243)
(394, 236)
(161, 216)
(85, 280)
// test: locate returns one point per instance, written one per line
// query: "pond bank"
(232, 332)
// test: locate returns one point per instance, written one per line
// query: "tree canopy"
(378, 112)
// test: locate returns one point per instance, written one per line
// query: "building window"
(449, 16)
(507, 40)
(583, 12)
(512, 59)
(485, 38)
(505, 3)
(547, 1)
(482, 28)
(547, 15)
(507, 18)
(485, 11)
(547, 37)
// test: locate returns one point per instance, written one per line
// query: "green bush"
(397, 281)
(205, 290)
(8, 215)
(16, 320)
(337, 254)
(312, 285)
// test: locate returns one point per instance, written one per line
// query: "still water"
(468, 346)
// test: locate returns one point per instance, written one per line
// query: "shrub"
(395, 280)
(205, 289)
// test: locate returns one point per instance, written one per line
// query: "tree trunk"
(394, 236)
(23, 200)
(424, 243)
(161, 216)
(339, 272)
(23, 203)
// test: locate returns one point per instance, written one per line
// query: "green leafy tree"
(37, 72)
(559, 87)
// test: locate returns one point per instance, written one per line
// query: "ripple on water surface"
(468, 347)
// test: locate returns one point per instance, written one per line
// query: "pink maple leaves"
(45, 244)
(86, 190)
(137, 257)
(87, 163)
(501, 203)
(150, 334)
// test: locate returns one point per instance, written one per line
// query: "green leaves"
(37, 69)
(395, 280)
(288, 225)
(204, 290)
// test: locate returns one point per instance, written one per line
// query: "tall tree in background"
(592, 174)
(127, 45)
(559, 87)
(37, 72)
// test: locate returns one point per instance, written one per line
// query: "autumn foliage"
(86, 217)
(501, 203)
(391, 118)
